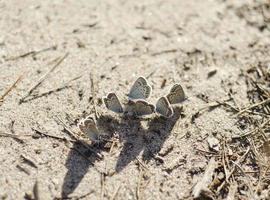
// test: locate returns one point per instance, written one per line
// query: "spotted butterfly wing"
(112, 103)
(176, 94)
(164, 108)
(140, 89)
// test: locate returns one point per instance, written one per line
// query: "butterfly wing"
(164, 108)
(88, 127)
(176, 94)
(140, 89)
(142, 107)
(139, 108)
(112, 103)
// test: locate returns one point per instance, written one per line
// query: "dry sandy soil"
(219, 52)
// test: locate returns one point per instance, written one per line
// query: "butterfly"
(164, 108)
(112, 103)
(139, 107)
(140, 89)
(176, 94)
(88, 126)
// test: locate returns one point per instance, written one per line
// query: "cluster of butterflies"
(137, 104)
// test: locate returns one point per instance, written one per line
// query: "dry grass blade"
(29, 161)
(102, 186)
(115, 193)
(39, 132)
(138, 190)
(74, 197)
(202, 186)
(12, 136)
(30, 91)
(36, 191)
(31, 53)
(266, 101)
(94, 95)
(10, 88)
(164, 52)
(15, 137)
(63, 86)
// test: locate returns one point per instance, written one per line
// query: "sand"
(206, 46)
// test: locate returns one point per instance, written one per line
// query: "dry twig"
(253, 106)
(38, 83)
(115, 193)
(36, 191)
(202, 186)
(10, 88)
(31, 53)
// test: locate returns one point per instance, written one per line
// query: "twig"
(253, 106)
(102, 185)
(224, 156)
(138, 195)
(11, 128)
(215, 104)
(36, 96)
(90, 25)
(23, 169)
(13, 136)
(36, 191)
(141, 164)
(70, 132)
(10, 88)
(28, 161)
(202, 185)
(31, 53)
(43, 78)
(112, 146)
(74, 197)
(51, 136)
(64, 86)
(94, 95)
(152, 73)
(164, 52)
(204, 151)
(252, 131)
(115, 193)
(228, 175)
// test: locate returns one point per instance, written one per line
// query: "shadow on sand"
(83, 156)
(79, 160)
(135, 140)
(150, 140)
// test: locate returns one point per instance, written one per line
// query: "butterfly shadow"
(159, 130)
(149, 141)
(78, 163)
(132, 137)
(82, 156)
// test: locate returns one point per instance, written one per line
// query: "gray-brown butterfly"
(139, 107)
(164, 108)
(176, 95)
(140, 89)
(112, 103)
(88, 126)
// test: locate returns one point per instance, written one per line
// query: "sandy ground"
(204, 45)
